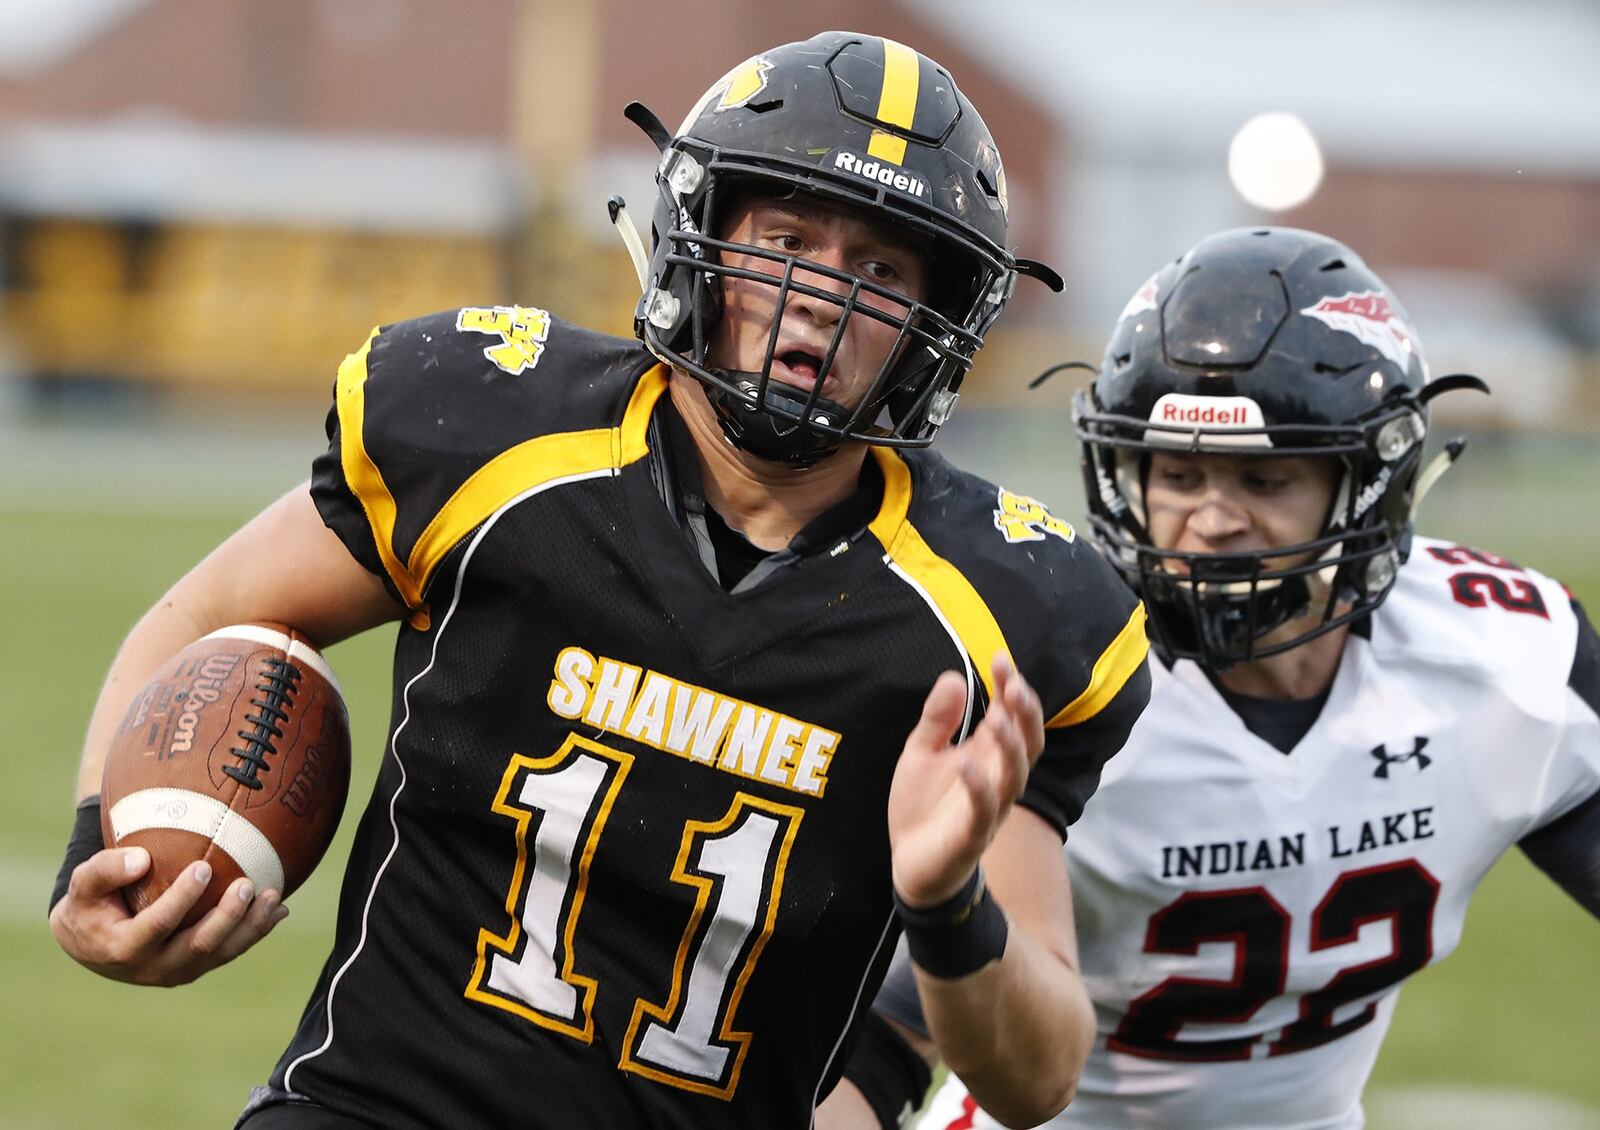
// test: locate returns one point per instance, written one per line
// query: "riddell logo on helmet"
(885, 174)
(1214, 414)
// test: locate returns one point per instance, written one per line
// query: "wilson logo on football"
(1370, 317)
(1217, 416)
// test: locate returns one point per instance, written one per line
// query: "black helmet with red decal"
(1261, 341)
(851, 120)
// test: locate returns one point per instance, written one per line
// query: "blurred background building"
(226, 194)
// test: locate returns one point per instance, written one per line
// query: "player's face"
(1237, 503)
(834, 237)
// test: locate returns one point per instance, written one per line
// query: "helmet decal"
(897, 103)
(745, 81)
(732, 90)
(1372, 319)
(1143, 299)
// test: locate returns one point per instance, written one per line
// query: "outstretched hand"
(946, 802)
(93, 925)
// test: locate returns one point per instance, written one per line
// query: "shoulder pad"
(1073, 628)
(1469, 609)
(426, 405)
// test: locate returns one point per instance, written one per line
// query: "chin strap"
(768, 436)
(1442, 462)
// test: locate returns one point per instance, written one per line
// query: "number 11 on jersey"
(735, 866)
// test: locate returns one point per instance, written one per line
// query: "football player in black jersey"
(710, 681)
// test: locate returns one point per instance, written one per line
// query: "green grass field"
(96, 528)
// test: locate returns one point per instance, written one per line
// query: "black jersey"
(626, 860)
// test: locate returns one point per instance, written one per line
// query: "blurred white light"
(1275, 162)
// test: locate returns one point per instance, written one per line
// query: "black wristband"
(86, 840)
(888, 1072)
(959, 936)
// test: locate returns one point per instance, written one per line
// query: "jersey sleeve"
(1068, 772)
(437, 420)
(1075, 631)
(1086, 654)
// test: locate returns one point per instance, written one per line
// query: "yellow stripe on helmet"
(897, 103)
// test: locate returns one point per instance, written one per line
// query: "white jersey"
(1245, 917)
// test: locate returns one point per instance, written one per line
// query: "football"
(236, 752)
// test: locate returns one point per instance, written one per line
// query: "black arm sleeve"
(1568, 848)
(897, 997)
(888, 1072)
(1585, 677)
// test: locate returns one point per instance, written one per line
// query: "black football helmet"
(854, 120)
(1264, 341)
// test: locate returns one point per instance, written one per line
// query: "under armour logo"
(1386, 759)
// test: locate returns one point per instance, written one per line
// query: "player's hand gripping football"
(93, 925)
(947, 801)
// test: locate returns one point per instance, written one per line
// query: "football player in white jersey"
(1348, 725)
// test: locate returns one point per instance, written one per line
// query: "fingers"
(237, 922)
(264, 915)
(158, 921)
(149, 948)
(107, 871)
(1022, 701)
(981, 790)
(942, 712)
(208, 935)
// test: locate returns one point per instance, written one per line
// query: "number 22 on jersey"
(1402, 893)
(735, 865)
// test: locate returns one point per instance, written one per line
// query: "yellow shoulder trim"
(361, 473)
(632, 435)
(965, 611)
(1116, 666)
(534, 463)
(896, 495)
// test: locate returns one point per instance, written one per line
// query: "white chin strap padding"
(630, 236)
(1434, 471)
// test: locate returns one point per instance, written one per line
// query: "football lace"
(280, 679)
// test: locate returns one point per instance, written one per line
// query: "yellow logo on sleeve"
(522, 331)
(1021, 518)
